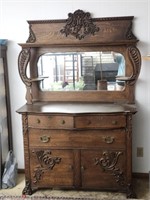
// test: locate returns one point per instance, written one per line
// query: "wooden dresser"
(78, 139)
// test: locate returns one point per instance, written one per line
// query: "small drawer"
(49, 121)
(100, 121)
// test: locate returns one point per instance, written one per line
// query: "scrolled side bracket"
(23, 61)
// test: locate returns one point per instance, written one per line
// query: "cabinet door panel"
(50, 168)
(103, 169)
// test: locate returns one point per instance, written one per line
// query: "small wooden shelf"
(146, 57)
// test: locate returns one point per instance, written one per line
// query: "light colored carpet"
(141, 187)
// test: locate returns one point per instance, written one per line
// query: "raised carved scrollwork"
(23, 61)
(31, 38)
(79, 24)
(25, 124)
(135, 57)
(129, 34)
(46, 162)
(27, 190)
(109, 163)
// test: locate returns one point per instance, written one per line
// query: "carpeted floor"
(41, 198)
(141, 187)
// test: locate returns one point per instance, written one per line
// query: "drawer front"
(77, 139)
(99, 121)
(49, 121)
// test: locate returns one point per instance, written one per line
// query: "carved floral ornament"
(79, 24)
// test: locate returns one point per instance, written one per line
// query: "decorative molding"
(79, 24)
(27, 190)
(46, 162)
(23, 61)
(31, 38)
(25, 124)
(109, 163)
(129, 34)
(135, 57)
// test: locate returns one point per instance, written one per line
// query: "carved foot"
(27, 190)
(130, 193)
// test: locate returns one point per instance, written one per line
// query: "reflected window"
(79, 70)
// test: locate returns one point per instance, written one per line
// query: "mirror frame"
(74, 35)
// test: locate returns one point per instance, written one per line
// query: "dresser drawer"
(77, 139)
(100, 121)
(50, 121)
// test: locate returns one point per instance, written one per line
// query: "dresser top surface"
(76, 108)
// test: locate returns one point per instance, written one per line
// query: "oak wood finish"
(79, 140)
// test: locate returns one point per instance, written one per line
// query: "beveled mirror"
(74, 71)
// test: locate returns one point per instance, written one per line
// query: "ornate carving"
(27, 190)
(25, 124)
(23, 61)
(79, 24)
(129, 34)
(46, 161)
(135, 58)
(31, 38)
(108, 162)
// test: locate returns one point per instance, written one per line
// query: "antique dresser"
(80, 77)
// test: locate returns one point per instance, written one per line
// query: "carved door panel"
(103, 169)
(50, 168)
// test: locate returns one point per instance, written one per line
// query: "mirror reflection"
(74, 71)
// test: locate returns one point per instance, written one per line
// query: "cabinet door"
(103, 169)
(50, 168)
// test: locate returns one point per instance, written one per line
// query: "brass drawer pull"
(38, 121)
(70, 167)
(44, 139)
(114, 122)
(109, 139)
(89, 122)
(63, 121)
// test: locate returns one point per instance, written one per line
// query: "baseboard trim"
(134, 174)
(140, 175)
(21, 171)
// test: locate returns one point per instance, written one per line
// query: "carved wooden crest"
(79, 24)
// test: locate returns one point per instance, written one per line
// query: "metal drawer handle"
(44, 139)
(109, 139)
(38, 121)
(114, 122)
(63, 121)
(89, 122)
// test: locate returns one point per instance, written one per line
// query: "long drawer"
(77, 139)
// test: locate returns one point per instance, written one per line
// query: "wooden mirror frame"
(80, 32)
